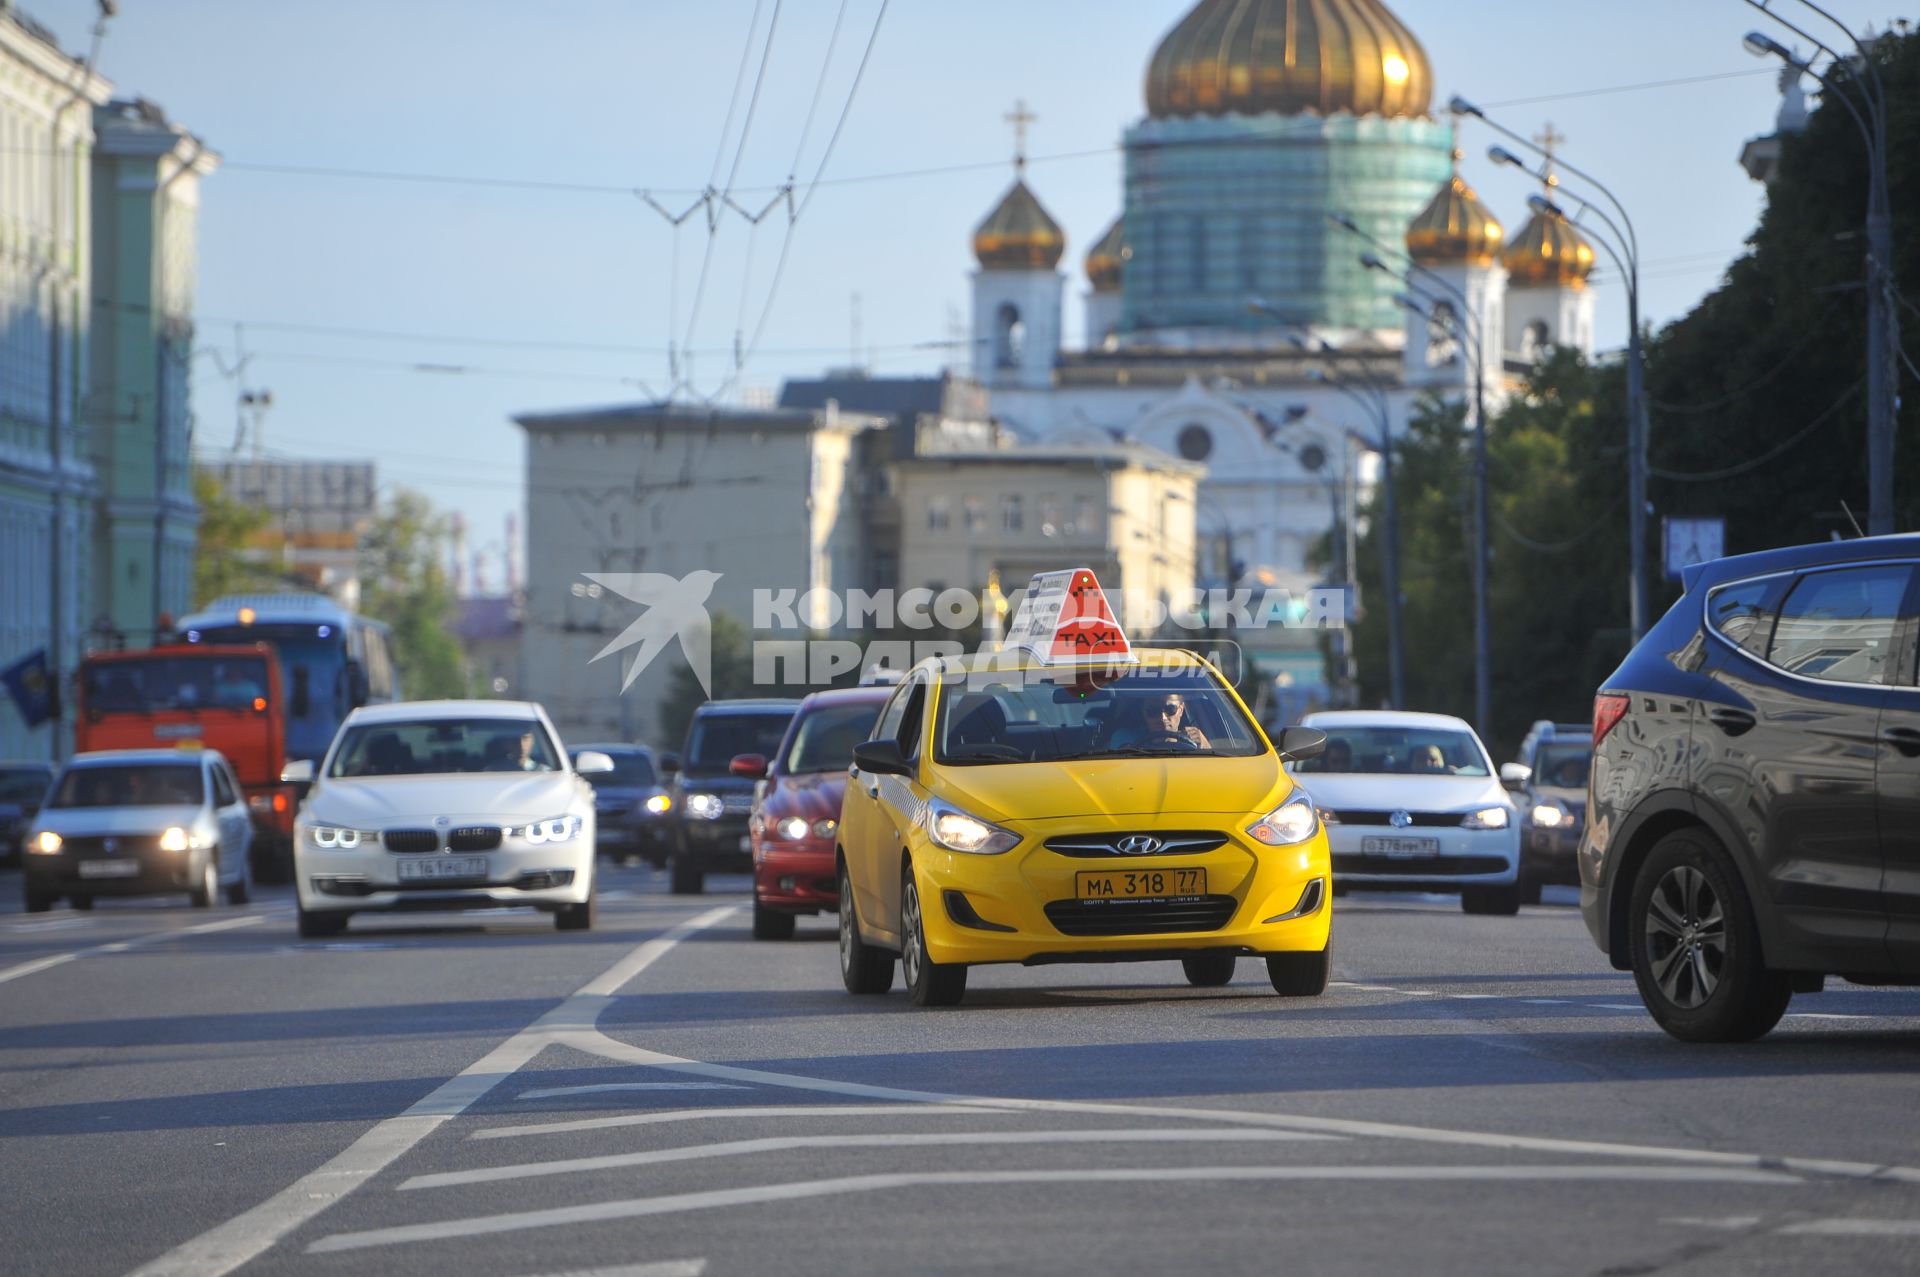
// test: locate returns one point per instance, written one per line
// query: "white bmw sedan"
(1411, 802)
(445, 805)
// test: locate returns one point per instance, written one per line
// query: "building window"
(1195, 442)
(1443, 336)
(1012, 518)
(939, 515)
(1082, 516)
(1535, 340)
(1009, 337)
(975, 513)
(1049, 518)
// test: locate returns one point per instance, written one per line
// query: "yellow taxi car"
(1013, 809)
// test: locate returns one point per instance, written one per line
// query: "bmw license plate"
(1140, 884)
(1403, 847)
(109, 869)
(443, 869)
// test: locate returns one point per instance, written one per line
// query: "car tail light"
(1608, 709)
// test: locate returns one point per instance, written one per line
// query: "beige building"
(1125, 511)
(765, 499)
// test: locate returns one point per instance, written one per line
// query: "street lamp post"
(1883, 320)
(1628, 260)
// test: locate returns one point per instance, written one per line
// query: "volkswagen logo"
(109, 845)
(1138, 845)
(1400, 819)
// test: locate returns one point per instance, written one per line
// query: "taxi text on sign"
(1065, 618)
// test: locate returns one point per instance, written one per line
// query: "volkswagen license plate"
(109, 869)
(1140, 884)
(1403, 847)
(444, 869)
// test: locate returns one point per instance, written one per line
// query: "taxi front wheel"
(932, 984)
(1209, 970)
(863, 968)
(1301, 975)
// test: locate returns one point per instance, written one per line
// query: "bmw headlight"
(1292, 822)
(1551, 816)
(337, 838)
(961, 831)
(558, 829)
(705, 806)
(1487, 818)
(793, 829)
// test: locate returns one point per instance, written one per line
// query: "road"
(197, 1092)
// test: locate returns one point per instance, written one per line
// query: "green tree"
(236, 551)
(404, 583)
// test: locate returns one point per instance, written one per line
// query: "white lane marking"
(1617, 1006)
(871, 1139)
(598, 1043)
(632, 1208)
(247, 1236)
(746, 1111)
(1475, 997)
(1545, 1002)
(553, 1092)
(1731, 1223)
(663, 1268)
(121, 946)
(1824, 1015)
(1853, 1228)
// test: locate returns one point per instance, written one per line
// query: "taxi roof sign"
(1064, 619)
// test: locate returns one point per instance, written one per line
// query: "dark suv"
(711, 801)
(1549, 785)
(1754, 813)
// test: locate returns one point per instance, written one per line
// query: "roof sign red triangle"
(1065, 619)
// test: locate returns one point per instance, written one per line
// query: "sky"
(508, 261)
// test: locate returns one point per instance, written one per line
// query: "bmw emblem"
(1138, 845)
(442, 821)
(1400, 819)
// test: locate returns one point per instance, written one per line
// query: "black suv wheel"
(1695, 947)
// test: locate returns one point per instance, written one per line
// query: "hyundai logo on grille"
(1138, 845)
(1400, 819)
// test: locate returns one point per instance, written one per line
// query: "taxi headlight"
(960, 831)
(337, 838)
(44, 843)
(659, 805)
(705, 806)
(793, 829)
(556, 829)
(1487, 818)
(1293, 821)
(1551, 816)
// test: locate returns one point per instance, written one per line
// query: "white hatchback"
(1412, 802)
(445, 805)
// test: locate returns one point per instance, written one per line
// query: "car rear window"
(1743, 614)
(717, 739)
(824, 738)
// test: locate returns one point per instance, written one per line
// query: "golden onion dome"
(1107, 263)
(1548, 251)
(1019, 234)
(1455, 228)
(1289, 57)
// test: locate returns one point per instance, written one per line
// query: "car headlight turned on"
(1292, 822)
(825, 828)
(1487, 818)
(961, 831)
(1551, 816)
(705, 806)
(793, 829)
(557, 829)
(659, 805)
(175, 839)
(335, 838)
(44, 843)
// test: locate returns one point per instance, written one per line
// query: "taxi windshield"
(1053, 717)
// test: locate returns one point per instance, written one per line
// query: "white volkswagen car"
(445, 805)
(1412, 802)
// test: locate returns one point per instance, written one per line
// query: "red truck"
(224, 697)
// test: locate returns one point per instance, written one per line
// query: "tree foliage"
(404, 583)
(236, 552)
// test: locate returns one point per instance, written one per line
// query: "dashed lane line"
(245, 1237)
(633, 1208)
(865, 1139)
(744, 1111)
(662, 1268)
(604, 1088)
(121, 946)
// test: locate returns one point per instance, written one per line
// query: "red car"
(796, 806)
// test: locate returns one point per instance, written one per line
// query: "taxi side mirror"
(1297, 744)
(882, 758)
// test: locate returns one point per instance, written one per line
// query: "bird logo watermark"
(676, 609)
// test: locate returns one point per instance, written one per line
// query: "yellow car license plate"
(1139, 884)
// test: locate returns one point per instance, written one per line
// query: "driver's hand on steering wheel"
(1198, 737)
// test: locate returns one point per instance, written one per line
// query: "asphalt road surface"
(197, 1092)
